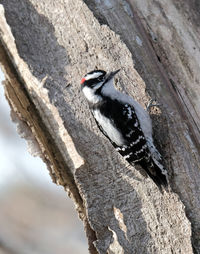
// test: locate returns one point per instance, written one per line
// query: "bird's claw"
(151, 104)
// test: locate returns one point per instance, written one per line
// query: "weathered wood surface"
(49, 48)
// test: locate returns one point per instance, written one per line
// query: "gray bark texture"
(46, 48)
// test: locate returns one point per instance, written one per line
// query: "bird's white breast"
(109, 128)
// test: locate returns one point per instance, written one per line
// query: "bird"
(125, 123)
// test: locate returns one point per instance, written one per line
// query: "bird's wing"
(124, 121)
(135, 149)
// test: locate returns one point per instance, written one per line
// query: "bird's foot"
(152, 103)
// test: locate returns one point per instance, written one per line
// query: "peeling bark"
(46, 48)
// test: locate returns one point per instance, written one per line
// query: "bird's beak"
(111, 75)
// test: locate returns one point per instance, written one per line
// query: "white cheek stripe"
(90, 95)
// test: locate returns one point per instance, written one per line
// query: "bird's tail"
(156, 171)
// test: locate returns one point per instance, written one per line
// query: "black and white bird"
(124, 122)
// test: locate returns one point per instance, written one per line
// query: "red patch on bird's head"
(82, 80)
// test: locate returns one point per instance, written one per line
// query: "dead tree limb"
(46, 47)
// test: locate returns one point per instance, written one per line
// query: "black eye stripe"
(92, 82)
(100, 78)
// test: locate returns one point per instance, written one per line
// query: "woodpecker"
(124, 122)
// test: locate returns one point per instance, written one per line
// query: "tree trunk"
(46, 47)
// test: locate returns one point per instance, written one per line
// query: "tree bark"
(46, 47)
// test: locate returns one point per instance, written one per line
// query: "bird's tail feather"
(156, 171)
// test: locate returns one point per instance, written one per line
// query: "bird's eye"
(100, 78)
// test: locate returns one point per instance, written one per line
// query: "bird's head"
(94, 81)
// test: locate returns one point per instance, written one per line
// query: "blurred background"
(36, 216)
